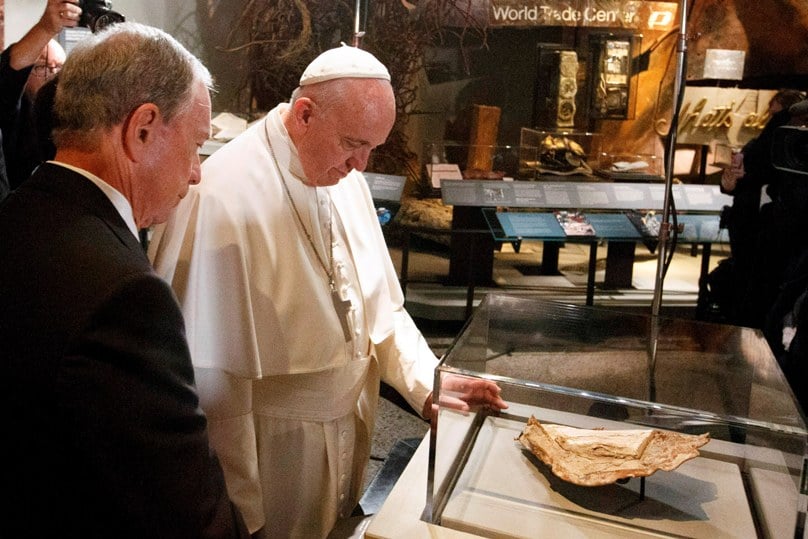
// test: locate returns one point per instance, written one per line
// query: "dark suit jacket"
(103, 435)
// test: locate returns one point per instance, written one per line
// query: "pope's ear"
(302, 110)
(140, 130)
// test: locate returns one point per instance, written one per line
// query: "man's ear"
(140, 130)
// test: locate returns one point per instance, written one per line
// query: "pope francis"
(291, 301)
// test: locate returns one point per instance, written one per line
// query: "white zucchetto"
(344, 62)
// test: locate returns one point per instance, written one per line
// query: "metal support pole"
(360, 18)
(665, 228)
(670, 151)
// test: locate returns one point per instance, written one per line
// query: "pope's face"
(175, 162)
(340, 137)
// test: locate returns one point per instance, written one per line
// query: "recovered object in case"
(595, 457)
(562, 155)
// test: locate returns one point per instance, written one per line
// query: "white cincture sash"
(317, 396)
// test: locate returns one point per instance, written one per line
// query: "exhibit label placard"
(385, 186)
(605, 196)
(633, 14)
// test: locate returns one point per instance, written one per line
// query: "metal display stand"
(510, 226)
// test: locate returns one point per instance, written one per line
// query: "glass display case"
(624, 167)
(554, 155)
(501, 162)
(598, 368)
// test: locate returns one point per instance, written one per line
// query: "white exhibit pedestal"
(504, 491)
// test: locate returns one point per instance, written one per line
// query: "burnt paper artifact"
(594, 457)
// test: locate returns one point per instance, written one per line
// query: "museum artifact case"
(555, 154)
(452, 160)
(628, 167)
(600, 368)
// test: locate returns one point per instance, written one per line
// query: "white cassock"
(290, 402)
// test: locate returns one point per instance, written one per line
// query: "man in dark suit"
(103, 435)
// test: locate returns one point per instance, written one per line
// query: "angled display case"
(597, 368)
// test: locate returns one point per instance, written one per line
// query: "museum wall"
(772, 33)
(440, 68)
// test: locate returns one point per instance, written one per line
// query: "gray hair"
(110, 74)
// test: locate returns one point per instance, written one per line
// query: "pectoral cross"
(343, 308)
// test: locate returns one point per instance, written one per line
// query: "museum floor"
(439, 311)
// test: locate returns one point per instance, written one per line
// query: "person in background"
(43, 118)
(105, 436)
(4, 188)
(25, 67)
(293, 305)
(745, 180)
(786, 322)
(774, 243)
(751, 171)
